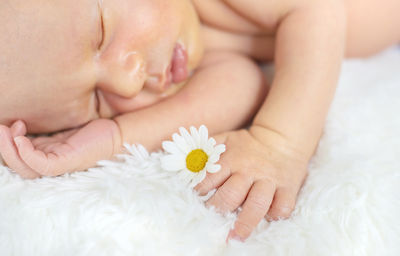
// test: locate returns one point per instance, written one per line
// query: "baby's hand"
(64, 152)
(261, 172)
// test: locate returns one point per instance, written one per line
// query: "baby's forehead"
(35, 6)
(50, 27)
(41, 13)
(48, 42)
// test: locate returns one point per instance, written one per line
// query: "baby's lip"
(177, 71)
(179, 63)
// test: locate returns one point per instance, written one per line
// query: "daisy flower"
(192, 154)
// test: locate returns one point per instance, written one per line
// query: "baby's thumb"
(18, 128)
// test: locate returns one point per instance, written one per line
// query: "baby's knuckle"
(268, 172)
(258, 202)
(247, 177)
(229, 197)
(208, 183)
(243, 227)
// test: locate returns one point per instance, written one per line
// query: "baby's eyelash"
(102, 26)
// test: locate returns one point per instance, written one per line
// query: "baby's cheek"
(152, 20)
(111, 105)
(145, 20)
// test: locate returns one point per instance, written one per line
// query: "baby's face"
(65, 62)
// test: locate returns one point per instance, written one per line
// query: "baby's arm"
(310, 46)
(263, 168)
(225, 83)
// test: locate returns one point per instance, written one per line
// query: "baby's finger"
(45, 164)
(231, 194)
(283, 204)
(18, 128)
(212, 180)
(11, 157)
(254, 209)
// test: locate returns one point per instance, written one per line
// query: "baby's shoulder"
(243, 16)
(219, 15)
(227, 28)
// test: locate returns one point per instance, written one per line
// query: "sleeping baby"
(79, 78)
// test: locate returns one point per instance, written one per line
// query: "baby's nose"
(124, 76)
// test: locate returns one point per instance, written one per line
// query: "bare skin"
(121, 75)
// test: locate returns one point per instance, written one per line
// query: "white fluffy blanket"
(349, 205)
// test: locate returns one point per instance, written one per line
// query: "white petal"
(181, 143)
(171, 147)
(186, 176)
(173, 162)
(213, 168)
(212, 141)
(189, 140)
(195, 136)
(203, 132)
(208, 148)
(216, 153)
(199, 177)
(219, 149)
(213, 158)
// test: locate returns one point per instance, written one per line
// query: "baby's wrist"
(280, 142)
(116, 137)
(110, 132)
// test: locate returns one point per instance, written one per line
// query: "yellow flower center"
(196, 160)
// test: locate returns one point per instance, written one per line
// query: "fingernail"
(19, 124)
(237, 238)
(17, 141)
(232, 235)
